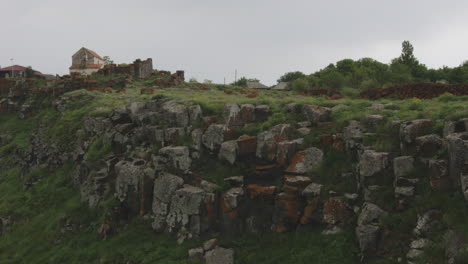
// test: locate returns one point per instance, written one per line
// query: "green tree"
(108, 60)
(291, 76)
(407, 56)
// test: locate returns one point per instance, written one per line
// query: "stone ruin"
(138, 69)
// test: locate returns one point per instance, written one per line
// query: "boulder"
(464, 185)
(214, 136)
(315, 114)
(304, 131)
(186, 209)
(177, 158)
(335, 211)
(439, 175)
(196, 255)
(353, 136)
(371, 163)
(175, 114)
(247, 113)
(228, 151)
(403, 166)
(458, 156)
(262, 112)
(428, 146)
(133, 186)
(231, 114)
(312, 190)
(195, 114)
(410, 130)
(210, 244)
(304, 161)
(219, 255)
(267, 141)
(164, 188)
(368, 228)
(246, 145)
(286, 150)
(371, 122)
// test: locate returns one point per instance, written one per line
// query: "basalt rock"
(165, 186)
(304, 161)
(267, 142)
(315, 114)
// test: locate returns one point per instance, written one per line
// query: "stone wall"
(143, 69)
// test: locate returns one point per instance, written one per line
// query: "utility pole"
(235, 76)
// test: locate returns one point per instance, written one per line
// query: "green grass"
(293, 248)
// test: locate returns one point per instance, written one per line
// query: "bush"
(300, 85)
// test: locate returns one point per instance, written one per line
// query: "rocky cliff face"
(153, 159)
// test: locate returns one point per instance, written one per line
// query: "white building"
(86, 62)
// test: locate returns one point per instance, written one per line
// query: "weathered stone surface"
(439, 175)
(186, 210)
(258, 191)
(429, 145)
(372, 163)
(164, 188)
(458, 156)
(464, 185)
(295, 184)
(305, 160)
(232, 197)
(353, 135)
(235, 181)
(228, 151)
(171, 135)
(410, 130)
(262, 112)
(196, 255)
(404, 191)
(287, 213)
(371, 122)
(335, 211)
(197, 139)
(368, 227)
(210, 244)
(247, 145)
(177, 157)
(175, 114)
(219, 255)
(267, 141)
(209, 186)
(133, 185)
(195, 114)
(403, 166)
(304, 131)
(315, 114)
(231, 114)
(312, 190)
(459, 126)
(286, 150)
(247, 113)
(426, 222)
(214, 136)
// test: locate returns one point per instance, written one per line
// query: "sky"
(211, 39)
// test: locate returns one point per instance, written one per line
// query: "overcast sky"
(209, 39)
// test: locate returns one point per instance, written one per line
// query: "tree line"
(368, 73)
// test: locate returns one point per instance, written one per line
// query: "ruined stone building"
(86, 62)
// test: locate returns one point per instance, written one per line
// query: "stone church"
(86, 62)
